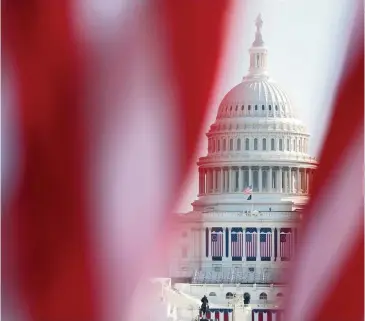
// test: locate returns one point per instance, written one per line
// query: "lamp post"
(234, 303)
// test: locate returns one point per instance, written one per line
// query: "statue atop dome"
(259, 22)
(258, 36)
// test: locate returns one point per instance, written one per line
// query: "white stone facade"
(256, 141)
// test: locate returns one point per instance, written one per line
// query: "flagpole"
(252, 201)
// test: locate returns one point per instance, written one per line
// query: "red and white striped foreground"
(107, 104)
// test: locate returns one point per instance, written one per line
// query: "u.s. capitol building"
(253, 182)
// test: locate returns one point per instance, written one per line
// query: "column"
(260, 179)
(272, 243)
(202, 239)
(209, 180)
(307, 180)
(225, 179)
(304, 180)
(293, 243)
(278, 246)
(299, 181)
(229, 243)
(214, 180)
(290, 180)
(270, 179)
(258, 254)
(230, 180)
(240, 179)
(244, 244)
(250, 177)
(285, 189)
(221, 175)
(280, 183)
(200, 181)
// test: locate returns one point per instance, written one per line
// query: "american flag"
(265, 244)
(251, 244)
(247, 190)
(285, 245)
(237, 243)
(217, 243)
(50, 190)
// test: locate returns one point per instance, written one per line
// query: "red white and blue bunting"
(267, 315)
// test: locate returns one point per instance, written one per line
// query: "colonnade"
(275, 243)
(267, 179)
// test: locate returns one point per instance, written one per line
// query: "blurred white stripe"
(136, 161)
(341, 204)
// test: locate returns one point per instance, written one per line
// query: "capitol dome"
(256, 141)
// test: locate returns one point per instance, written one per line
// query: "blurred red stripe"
(344, 299)
(46, 227)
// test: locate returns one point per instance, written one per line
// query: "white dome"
(256, 97)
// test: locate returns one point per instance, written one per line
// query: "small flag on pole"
(248, 191)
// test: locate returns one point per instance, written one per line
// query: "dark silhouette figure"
(246, 298)
(204, 307)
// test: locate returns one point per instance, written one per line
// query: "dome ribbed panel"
(256, 92)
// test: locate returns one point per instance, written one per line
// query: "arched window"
(288, 144)
(229, 295)
(247, 144)
(255, 181)
(256, 107)
(224, 144)
(272, 144)
(239, 144)
(264, 180)
(255, 144)
(212, 294)
(263, 107)
(263, 296)
(246, 298)
(249, 107)
(218, 145)
(243, 107)
(280, 144)
(231, 144)
(264, 144)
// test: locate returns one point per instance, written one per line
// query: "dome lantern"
(258, 54)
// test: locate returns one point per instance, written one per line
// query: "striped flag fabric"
(268, 315)
(251, 243)
(285, 245)
(330, 252)
(237, 242)
(248, 190)
(266, 244)
(98, 88)
(217, 242)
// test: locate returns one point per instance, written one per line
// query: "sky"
(307, 42)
